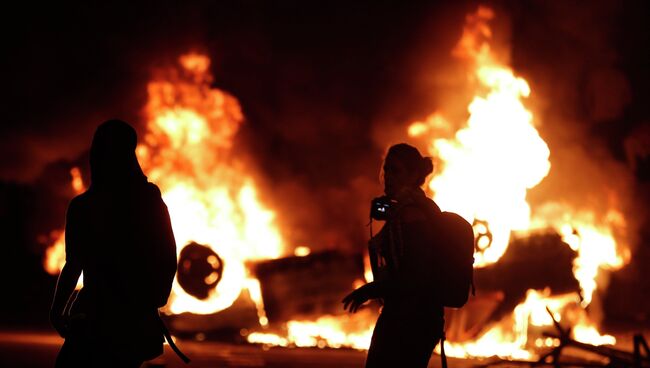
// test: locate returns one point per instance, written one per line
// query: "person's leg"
(73, 353)
(127, 363)
(416, 351)
(375, 351)
(66, 356)
(109, 357)
(116, 361)
(418, 339)
(384, 347)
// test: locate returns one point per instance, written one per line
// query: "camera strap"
(443, 357)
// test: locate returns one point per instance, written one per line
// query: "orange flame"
(353, 331)
(490, 164)
(77, 181)
(487, 167)
(55, 253)
(211, 198)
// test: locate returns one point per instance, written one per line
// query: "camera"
(380, 208)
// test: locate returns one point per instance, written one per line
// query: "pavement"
(36, 349)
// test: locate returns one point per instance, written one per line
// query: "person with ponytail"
(119, 234)
(405, 279)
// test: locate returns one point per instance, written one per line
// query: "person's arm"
(360, 295)
(416, 274)
(372, 290)
(69, 274)
(64, 288)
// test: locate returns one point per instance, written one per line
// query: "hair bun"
(411, 158)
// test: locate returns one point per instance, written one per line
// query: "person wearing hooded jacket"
(119, 234)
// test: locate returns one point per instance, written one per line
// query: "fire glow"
(486, 168)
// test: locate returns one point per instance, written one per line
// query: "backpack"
(453, 240)
(456, 237)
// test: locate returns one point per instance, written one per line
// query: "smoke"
(312, 112)
(582, 96)
(583, 65)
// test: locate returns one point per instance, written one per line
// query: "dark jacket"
(124, 243)
(405, 256)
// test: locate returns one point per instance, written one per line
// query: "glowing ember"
(255, 293)
(301, 251)
(77, 181)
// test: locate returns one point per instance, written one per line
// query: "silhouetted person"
(119, 234)
(401, 254)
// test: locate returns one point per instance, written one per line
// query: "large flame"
(487, 167)
(211, 198)
(491, 162)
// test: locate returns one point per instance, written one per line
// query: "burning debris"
(526, 266)
(589, 355)
(304, 287)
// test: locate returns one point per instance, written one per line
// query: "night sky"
(324, 86)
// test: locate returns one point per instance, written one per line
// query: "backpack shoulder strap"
(171, 342)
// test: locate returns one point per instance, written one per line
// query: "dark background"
(323, 86)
